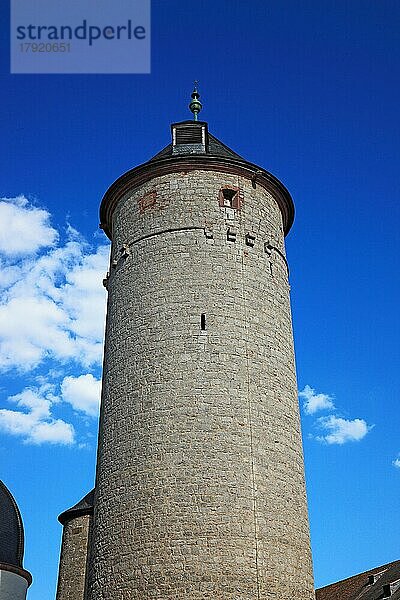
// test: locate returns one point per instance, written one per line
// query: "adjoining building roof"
(375, 584)
(83, 507)
(11, 529)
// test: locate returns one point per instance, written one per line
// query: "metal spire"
(195, 105)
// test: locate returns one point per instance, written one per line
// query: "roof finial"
(195, 105)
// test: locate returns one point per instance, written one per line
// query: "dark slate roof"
(83, 507)
(364, 586)
(11, 529)
(215, 148)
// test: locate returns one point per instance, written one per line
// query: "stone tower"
(77, 523)
(200, 483)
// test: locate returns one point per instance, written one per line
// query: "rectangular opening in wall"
(228, 197)
(203, 322)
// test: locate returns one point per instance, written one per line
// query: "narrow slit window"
(203, 322)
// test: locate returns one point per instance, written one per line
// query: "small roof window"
(189, 137)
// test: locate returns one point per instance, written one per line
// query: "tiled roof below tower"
(375, 584)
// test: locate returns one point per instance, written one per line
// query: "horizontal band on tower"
(156, 168)
(17, 571)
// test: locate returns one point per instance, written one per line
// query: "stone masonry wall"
(200, 486)
(72, 569)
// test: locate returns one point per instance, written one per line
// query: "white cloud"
(340, 431)
(83, 393)
(84, 292)
(25, 228)
(36, 425)
(52, 309)
(52, 304)
(314, 402)
(32, 328)
(396, 463)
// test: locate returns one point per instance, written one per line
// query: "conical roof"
(83, 507)
(193, 147)
(215, 148)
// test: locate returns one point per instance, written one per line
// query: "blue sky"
(310, 91)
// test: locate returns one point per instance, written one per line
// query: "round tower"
(200, 481)
(76, 522)
(14, 579)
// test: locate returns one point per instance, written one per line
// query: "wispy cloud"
(396, 463)
(25, 228)
(335, 429)
(339, 430)
(315, 402)
(33, 422)
(83, 393)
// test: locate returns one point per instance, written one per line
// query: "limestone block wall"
(74, 549)
(200, 486)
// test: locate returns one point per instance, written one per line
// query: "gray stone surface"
(12, 586)
(200, 487)
(72, 568)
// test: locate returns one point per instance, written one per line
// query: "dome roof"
(83, 507)
(11, 529)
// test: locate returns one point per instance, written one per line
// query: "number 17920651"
(45, 47)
